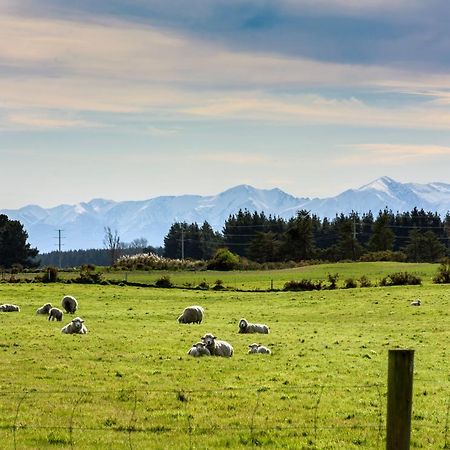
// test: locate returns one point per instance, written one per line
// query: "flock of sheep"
(68, 303)
(210, 345)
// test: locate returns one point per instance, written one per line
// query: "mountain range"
(83, 224)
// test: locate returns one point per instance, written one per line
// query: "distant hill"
(84, 223)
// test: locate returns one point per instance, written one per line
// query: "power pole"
(60, 237)
(182, 243)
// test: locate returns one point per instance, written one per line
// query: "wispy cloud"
(392, 154)
(235, 158)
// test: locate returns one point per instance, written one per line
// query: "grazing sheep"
(416, 303)
(192, 314)
(9, 308)
(55, 314)
(199, 349)
(245, 327)
(69, 303)
(258, 348)
(45, 309)
(75, 327)
(216, 347)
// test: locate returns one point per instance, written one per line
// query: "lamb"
(245, 327)
(69, 303)
(258, 348)
(9, 308)
(192, 314)
(415, 303)
(199, 349)
(75, 327)
(55, 314)
(45, 309)
(216, 347)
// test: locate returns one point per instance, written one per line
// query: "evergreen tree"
(382, 236)
(14, 248)
(299, 238)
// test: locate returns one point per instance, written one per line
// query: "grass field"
(129, 383)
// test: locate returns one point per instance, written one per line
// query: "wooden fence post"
(399, 401)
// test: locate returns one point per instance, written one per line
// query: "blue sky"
(135, 99)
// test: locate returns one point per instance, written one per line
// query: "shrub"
(400, 279)
(49, 275)
(443, 273)
(350, 283)
(218, 285)
(224, 259)
(88, 275)
(164, 282)
(151, 261)
(384, 255)
(203, 285)
(333, 279)
(303, 285)
(364, 281)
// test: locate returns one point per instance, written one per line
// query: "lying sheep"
(216, 347)
(199, 349)
(75, 327)
(245, 327)
(69, 303)
(192, 314)
(45, 309)
(258, 348)
(55, 314)
(9, 308)
(416, 303)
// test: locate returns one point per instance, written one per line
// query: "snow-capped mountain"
(83, 224)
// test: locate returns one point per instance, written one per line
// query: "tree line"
(416, 236)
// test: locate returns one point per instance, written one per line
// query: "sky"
(133, 99)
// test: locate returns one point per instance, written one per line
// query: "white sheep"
(415, 303)
(45, 309)
(192, 314)
(69, 303)
(245, 327)
(75, 327)
(199, 349)
(258, 348)
(55, 314)
(216, 347)
(9, 308)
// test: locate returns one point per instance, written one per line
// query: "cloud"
(392, 154)
(235, 158)
(21, 121)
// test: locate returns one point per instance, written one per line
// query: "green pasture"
(129, 383)
(265, 279)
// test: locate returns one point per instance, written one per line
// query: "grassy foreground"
(129, 383)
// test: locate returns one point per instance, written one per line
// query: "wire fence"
(310, 416)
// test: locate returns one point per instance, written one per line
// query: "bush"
(218, 285)
(203, 285)
(224, 259)
(49, 275)
(365, 282)
(400, 279)
(350, 283)
(164, 282)
(88, 275)
(443, 273)
(303, 285)
(333, 279)
(384, 255)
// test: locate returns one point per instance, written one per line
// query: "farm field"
(265, 279)
(129, 383)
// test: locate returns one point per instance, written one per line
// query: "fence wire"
(310, 415)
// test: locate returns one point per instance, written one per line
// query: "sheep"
(415, 303)
(199, 349)
(45, 309)
(55, 314)
(192, 314)
(9, 308)
(75, 327)
(245, 327)
(258, 348)
(216, 347)
(69, 303)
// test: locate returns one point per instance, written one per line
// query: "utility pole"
(60, 237)
(182, 243)
(354, 238)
